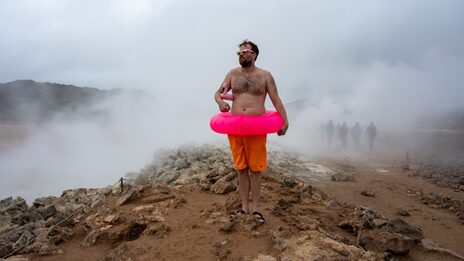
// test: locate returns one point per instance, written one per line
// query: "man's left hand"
(283, 130)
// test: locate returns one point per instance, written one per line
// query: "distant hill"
(30, 101)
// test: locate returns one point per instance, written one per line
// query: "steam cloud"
(383, 61)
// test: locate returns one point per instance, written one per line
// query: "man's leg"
(255, 179)
(238, 153)
(244, 187)
(255, 147)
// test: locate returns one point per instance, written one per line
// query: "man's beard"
(245, 63)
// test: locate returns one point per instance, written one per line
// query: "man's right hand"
(224, 107)
(283, 130)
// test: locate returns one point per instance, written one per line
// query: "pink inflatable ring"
(225, 123)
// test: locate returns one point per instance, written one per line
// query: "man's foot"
(259, 217)
(238, 213)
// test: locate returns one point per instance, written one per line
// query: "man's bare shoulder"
(234, 71)
(263, 72)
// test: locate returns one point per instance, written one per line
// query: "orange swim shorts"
(249, 152)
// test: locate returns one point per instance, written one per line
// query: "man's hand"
(224, 107)
(283, 130)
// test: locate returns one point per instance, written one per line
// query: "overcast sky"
(347, 52)
(388, 61)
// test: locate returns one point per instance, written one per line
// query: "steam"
(96, 151)
(388, 62)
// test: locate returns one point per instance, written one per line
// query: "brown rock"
(220, 250)
(129, 193)
(158, 229)
(179, 202)
(314, 245)
(403, 213)
(333, 204)
(281, 208)
(23, 240)
(346, 225)
(248, 222)
(378, 222)
(384, 241)
(91, 238)
(233, 203)
(342, 176)
(431, 246)
(227, 227)
(204, 184)
(402, 227)
(224, 184)
(114, 219)
(280, 238)
(368, 193)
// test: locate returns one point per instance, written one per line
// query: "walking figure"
(371, 133)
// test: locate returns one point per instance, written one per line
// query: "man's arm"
(278, 105)
(226, 85)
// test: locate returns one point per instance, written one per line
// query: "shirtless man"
(249, 85)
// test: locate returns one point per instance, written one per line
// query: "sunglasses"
(245, 51)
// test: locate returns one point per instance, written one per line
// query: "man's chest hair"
(253, 83)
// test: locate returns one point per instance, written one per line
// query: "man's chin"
(245, 64)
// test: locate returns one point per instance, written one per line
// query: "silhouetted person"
(343, 135)
(356, 133)
(329, 130)
(371, 133)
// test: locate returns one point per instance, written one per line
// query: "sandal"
(259, 217)
(238, 213)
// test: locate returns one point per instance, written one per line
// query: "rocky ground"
(443, 173)
(183, 206)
